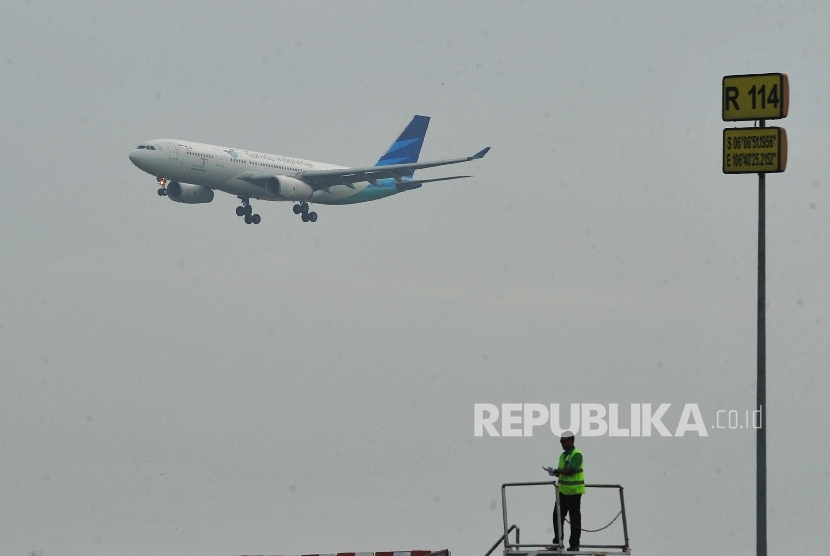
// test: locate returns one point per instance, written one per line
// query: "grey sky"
(175, 382)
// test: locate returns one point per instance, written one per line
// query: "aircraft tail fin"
(407, 147)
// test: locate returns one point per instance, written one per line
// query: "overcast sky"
(175, 382)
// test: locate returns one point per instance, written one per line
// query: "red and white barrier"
(394, 553)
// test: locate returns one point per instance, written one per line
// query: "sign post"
(750, 150)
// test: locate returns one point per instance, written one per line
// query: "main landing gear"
(247, 211)
(302, 210)
(162, 190)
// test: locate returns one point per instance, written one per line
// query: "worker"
(571, 488)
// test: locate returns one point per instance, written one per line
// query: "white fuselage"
(218, 168)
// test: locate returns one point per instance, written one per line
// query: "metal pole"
(504, 516)
(624, 520)
(761, 434)
(559, 526)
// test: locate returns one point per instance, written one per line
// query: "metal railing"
(518, 546)
(503, 539)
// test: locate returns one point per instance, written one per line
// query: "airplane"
(189, 172)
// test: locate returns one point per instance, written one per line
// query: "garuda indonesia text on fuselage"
(189, 172)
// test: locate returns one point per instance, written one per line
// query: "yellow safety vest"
(571, 484)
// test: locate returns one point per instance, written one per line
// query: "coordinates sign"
(750, 150)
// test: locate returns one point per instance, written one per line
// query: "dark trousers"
(570, 507)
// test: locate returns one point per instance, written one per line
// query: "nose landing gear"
(247, 211)
(302, 210)
(162, 190)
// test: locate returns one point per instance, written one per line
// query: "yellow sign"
(752, 150)
(763, 96)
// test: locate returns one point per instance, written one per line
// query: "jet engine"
(189, 193)
(288, 188)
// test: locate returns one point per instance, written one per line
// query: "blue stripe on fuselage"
(385, 188)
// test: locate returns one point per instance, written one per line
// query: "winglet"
(481, 153)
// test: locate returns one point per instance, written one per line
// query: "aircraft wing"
(261, 178)
(415, 184)
(324, 179)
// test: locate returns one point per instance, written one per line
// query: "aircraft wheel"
(162, 192)
(248, 219)
(240, 211)
(312, 216)
(298, 209)
(305, 217)
(256, 219)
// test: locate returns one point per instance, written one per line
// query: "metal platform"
(517, 548)
(557, 552)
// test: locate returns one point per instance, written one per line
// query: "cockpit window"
(141, 147)
(151, 147)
